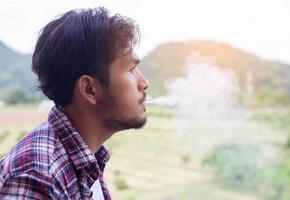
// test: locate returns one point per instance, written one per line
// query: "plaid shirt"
(52, 162)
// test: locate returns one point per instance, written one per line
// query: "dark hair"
(80, 42)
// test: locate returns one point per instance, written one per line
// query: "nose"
(143, 83)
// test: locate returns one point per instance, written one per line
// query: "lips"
(143, 99)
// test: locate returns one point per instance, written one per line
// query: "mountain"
(269, 78)
(15, 70)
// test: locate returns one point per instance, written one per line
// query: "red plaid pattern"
(52, 162)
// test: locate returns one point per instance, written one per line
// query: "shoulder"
(28, 165)
(31, 154)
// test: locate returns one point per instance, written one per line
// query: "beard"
(112, 111)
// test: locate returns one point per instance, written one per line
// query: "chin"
(137, 122)
(140, 123)
(117, 124)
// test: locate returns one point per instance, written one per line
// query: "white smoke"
(207, 91)
(205, 102)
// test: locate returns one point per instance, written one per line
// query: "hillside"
(270, 79)
(15, 71)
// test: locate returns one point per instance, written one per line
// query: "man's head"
(82, 57)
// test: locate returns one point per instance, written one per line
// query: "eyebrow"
(135, 61)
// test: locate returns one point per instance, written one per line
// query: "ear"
(89, 89)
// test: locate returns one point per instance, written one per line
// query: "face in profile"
(122, 103)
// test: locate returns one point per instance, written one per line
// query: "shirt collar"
(78, 151)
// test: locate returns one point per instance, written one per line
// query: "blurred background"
(219, 114)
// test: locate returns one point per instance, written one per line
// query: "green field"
(151, 164)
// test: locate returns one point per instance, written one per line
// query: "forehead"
(127, 58)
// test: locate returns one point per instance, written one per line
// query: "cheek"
(125, 88)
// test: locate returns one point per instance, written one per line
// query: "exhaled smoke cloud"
(205, 104)
(206, 91)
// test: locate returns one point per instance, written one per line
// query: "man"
(86, 64)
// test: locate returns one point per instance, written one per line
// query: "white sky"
(258, 26)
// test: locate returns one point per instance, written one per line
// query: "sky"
(261, 27)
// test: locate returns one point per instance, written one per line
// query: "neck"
(88, 125)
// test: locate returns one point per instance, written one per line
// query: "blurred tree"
(15, 94)
(236, 165)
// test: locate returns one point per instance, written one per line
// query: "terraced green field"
(145, 164)
(153, 166)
